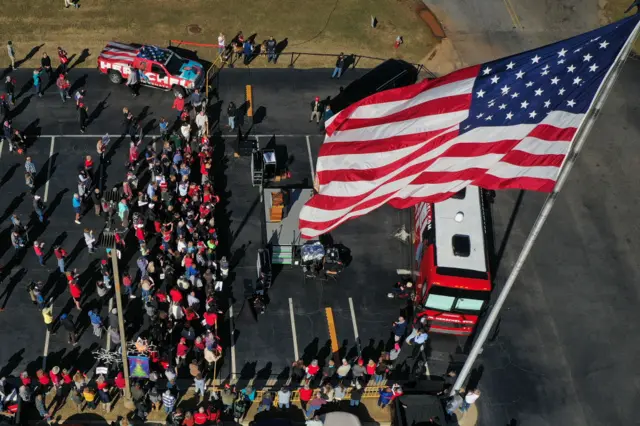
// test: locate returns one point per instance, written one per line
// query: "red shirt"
(126, 281)
(190, 422)
(189, 315)
(182, 349)
(60, 253)
(67, 379)
(371, 369)
(306, 394)
(38, 250)
(44, 380)
(200, 418)
(200, 345)
(178, 104)
(139, 234)
(55, 379)
(75, 291)
(313, 369)
(210, 318)
(188, 261)
(119, 382)
(175, 294)
(88, 164)
(102, 385)
(26, 381)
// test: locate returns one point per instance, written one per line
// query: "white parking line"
(233, 341)
(46, 351)
(313, 173)
(1, 146)
(353, 319)
(46, 185)
(296, 354)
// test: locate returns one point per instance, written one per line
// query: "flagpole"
(592, 115)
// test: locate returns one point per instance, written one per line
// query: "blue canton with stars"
(564, 76)
(153, 53)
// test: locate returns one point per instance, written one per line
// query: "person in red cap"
(316, 110)
(181, 351)
(178, 104)
(83, 116)
(63, 86)
(76, 293)
(312, 369)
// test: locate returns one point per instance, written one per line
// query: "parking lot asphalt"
(265, 345)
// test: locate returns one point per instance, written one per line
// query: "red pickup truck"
(157, 67)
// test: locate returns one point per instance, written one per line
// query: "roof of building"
(460, 234)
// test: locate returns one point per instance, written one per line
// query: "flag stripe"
(509, 123)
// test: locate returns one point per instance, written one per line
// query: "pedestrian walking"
(37, 248)
(178, 104)
(169, 401)
(66, 321)
(326, 115)
(231, 114)
(10, 88)
(96, 196)
(79, 96)
(385, 396)
(202, 121)
(399, 328)
(12, 54)
(29, 166)
(101, 149)
(271, 50)
(63, 86)
(222, 43)
(74, 290)
(45, 63)
(89, 240)
(123, 212)
(132, 81)
(337, 71)
(90, 397)
(96, 322)
(64, 60)
(196, 99)
(5, 107)
(77, 206)
(83, 116)
(47, 316)
(37, 81)
(316, 110)
(38, 207)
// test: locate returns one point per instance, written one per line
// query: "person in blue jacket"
(385, 397)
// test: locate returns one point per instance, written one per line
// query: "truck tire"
(115, 77)
(178, 90)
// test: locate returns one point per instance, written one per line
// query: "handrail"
(296, 55)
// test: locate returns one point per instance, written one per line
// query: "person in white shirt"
(222, 44)
(315, 421)
(132, 81)
(202, 121)
(470, 398)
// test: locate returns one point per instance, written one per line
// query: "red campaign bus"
(453, 285)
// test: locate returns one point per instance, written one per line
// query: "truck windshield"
(455, 300)
(173, 64)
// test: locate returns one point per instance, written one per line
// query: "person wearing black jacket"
(271, 50)
(9, 87)
(96, 196)
(66, 320)
(337, 71)
(316, 110)
(83, 116)
(231, 113)
(45, 62)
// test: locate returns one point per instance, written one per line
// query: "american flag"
(508, 123)
(120, 51)
(153, 53)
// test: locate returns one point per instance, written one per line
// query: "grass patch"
(310, 26)
(614, 10)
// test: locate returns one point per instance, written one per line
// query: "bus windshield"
(456, 300)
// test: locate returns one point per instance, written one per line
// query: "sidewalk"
(368, 412)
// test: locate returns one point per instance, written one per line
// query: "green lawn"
(310, 26)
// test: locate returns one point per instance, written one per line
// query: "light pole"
(128, 403)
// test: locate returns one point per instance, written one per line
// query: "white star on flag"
(524, 105)
(539, 92)
(494, 79)
(480, 93)
(519, 74)
(571, 103)
(510, 65)
(562, 52)
(486, 71)
(571, 68)
(535, 59)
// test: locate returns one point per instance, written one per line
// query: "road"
(565, 352)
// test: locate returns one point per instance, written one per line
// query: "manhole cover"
(194, 29)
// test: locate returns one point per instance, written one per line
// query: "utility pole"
(128, 403)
